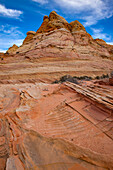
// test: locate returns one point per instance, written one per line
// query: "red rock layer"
(45, 126)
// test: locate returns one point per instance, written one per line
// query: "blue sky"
(19, 16)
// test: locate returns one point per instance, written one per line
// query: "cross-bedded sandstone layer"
(56, 126)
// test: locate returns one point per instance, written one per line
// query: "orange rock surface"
(59, 40)
(61, 126)
(30, 35)
(48, 126)
(54, 21)
(12, 49)
(100, 41)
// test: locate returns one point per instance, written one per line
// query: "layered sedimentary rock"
(100, 41)
(56, 126)
(30, 35)
(111, 79)
(56, 49)
(57, 38)
(109, 47)
(50, 126)
(1, 56)
(53, 22)
(12, 49)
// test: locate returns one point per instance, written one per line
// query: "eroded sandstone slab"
(55, 126)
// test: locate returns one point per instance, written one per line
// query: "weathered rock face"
(56, 126)
(12, 49)
(109, 48)
(100, 41)
(30, 35)
(111, 79)
(53, 22)
(58, 48)
(57, 38)
(1, 55)
(77, 26)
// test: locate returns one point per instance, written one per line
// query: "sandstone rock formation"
(57, 38)
(111, 79)
(30, 35)
(56, 126)
(76, 26)
(1, 55)
(100, 41)
(50, 126)
(56, 49)
(12, 49)
(53, 22)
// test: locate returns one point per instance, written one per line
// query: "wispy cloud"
(98, 33)
(2, 51)
(10, 35)
(10, 30)
(6, 43)
(41, 1)
(13, 13)
(111, 43)
(91, 11)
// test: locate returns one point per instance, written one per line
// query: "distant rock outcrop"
(30, 35)
(59, 40)
(12, 49)
(100, 41)
(53, 22)
(77, 26)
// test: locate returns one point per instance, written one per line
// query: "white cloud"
(111, 43)
(41, 1)
(2, 51)
(98, 33)
(90, 10)
(79, 4)
(13, 13)
(6, 43)
(9, 30)
(10, 35)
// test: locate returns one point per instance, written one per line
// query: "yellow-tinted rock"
(100, 41)
(12, 49)
(54, 21)
(77, 26)
(30, 35)
(54, 16)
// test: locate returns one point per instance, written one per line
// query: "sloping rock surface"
(30, 35)
(12, 49)
(48, 126)
(56, 126)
